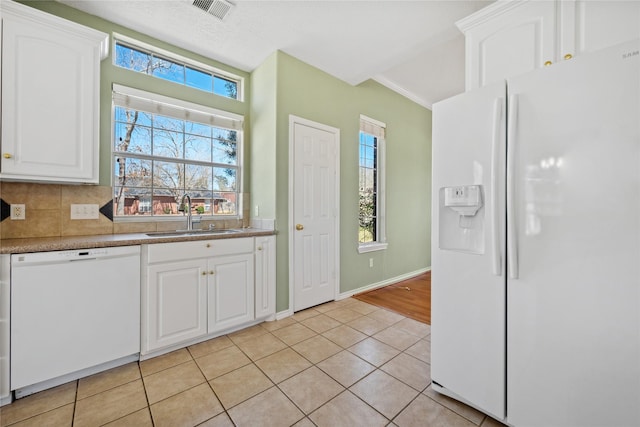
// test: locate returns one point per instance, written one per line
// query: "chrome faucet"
(188, 209)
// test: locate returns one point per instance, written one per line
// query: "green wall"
(307, 92)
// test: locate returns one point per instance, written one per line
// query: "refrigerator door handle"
(512, 243)
(495, 164)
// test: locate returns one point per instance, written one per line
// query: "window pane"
(198, 129)
(169, 176)
(224, 179)
(138, 59)
(167, 144)
(368, 189)
(225, 87)
(133, 59)
(197, 148)
(197, 180)
(164, 202)
(225, 151)
(130, 172)
(224, 204)
(198, 79)
(132, 201)
(132, 138)
(366, 232)
(168, 70)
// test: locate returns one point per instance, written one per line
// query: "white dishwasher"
(72, 311)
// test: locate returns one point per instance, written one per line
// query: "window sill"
(371, 247)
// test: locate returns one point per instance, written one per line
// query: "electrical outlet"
(84, 211)
(18, 211)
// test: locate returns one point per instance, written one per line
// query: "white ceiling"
(413, 47)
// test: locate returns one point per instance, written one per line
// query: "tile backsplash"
(48, 208)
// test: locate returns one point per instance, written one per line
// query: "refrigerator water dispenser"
(461, 225)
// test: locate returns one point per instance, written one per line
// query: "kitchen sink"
(191, 232)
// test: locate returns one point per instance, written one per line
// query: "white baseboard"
(285, 313)
(383, 283)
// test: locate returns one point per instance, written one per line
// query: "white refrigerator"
(536, 244)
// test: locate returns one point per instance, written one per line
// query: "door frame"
(293, 120)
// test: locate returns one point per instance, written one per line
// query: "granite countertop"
(44, 244)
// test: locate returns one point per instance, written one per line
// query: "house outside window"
(163, 148)
(371, 213)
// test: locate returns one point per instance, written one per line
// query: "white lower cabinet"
(230, 287)
(265, 267)
(191, 290)
(176, 303)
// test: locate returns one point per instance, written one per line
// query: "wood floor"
(411, 298)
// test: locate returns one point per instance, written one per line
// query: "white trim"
(372, 247)
(299, 120)
(383, 283)
(380, 242)
(129, 41)
(487, 13)
(284, 314)
(402, 91)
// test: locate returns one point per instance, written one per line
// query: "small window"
(164, 148)
(136, 56)
(371, 230)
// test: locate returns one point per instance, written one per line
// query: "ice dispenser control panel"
(465, 199)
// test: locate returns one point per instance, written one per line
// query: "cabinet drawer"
(163, 252)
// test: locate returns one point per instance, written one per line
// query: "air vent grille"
(217, 8)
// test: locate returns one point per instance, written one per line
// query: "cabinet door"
(231, 292)
(50, 98)
(176, 304)
(507, 39)
(591, 25)
(265, 276)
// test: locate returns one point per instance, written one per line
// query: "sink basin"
(190, 233)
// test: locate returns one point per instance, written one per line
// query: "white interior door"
(314, 223)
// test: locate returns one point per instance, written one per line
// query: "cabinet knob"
(212, 272)
(299, 227)
(568, 56)
(204, 273)
(208, 245)
(7, 155)
(259, 248)
(546, 64)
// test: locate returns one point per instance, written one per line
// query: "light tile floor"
(344, 363)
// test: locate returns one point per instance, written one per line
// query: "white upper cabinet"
(50, 97)
(511, 37)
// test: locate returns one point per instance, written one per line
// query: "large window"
(371, 231)
(137, 56)
(164, 148)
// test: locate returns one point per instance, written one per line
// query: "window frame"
(179, 59)
(136, 97)
(377, 129)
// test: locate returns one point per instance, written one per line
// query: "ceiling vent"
(217, 8)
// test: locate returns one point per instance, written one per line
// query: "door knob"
(299, 227)
(568, 56)
(6, 155)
